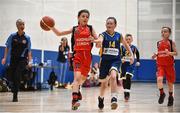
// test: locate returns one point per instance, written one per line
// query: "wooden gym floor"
(143, 99)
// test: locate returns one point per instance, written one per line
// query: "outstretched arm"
(58, 32)
(61, 33)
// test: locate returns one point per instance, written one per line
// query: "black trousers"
(17, 69)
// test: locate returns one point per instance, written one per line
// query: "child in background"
(127, 69)
(165, 64)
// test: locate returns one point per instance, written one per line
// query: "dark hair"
(128, 35)
(115, 21)
(83, 11)
(167, 28)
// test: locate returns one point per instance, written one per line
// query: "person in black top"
(19, 45)
(62, 59)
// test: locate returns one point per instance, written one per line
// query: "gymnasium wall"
(152, 16)
(64, 13)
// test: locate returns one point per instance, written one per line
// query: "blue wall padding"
(2, 68)
(177, 67)
(146, 72)
(50, 55)
(37, 54)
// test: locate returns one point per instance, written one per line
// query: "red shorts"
(168, 71)
(82, 61)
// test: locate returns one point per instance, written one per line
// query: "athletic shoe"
(75, 101)
(170, 101)
(161, 98)
(101, 102)
(75, 104)
(126, 96)
(114, 104)
(15, 98)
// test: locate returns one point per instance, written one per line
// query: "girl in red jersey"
(83, 38)
(165, 64)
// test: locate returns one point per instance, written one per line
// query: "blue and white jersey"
(126, 55)
(111, 46)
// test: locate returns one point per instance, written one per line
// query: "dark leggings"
(127, 82)
(17, 68)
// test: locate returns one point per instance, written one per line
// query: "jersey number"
(112, 44)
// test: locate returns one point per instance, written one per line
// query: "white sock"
(114, 95)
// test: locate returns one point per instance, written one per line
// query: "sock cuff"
(114, 95)
(170, 93)
(127, 90)
(74, 93)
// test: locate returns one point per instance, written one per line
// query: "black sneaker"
(75, 104)
(75, 101)
(114, 104)
(101, 102)
(15, 98)
(170, 101)
(161, 98)
(126, 96)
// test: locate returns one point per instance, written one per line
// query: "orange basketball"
(48, 21)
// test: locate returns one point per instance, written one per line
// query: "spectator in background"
(62, 59)
(94, 75)
(92, 79)
(19, 45)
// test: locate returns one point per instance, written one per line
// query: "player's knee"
(170, 84)
(113, 74)
(77, 79)
(159, 79)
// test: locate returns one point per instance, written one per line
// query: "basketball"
(48, 21)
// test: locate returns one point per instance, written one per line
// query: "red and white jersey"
(162, 57)
(82, 38)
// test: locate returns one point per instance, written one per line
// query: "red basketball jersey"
(162, 58)
(82, 38)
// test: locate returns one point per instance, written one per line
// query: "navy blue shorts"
(126, 68)
(106, 66)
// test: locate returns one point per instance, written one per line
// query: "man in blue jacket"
(19, 45)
